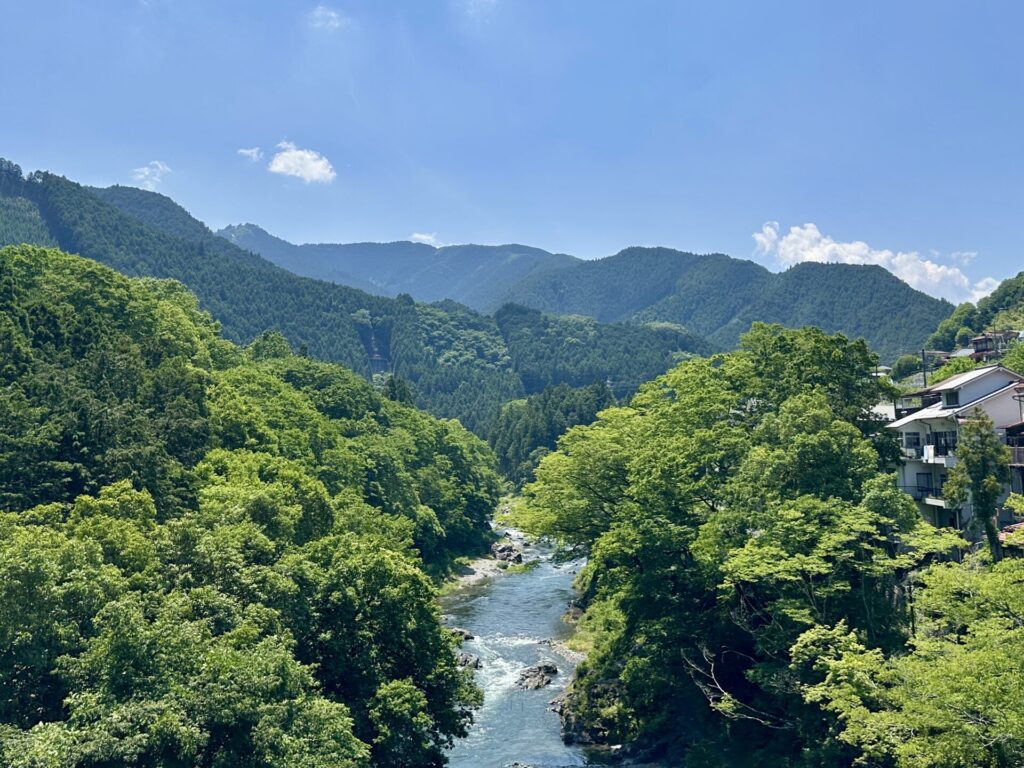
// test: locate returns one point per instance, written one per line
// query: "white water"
(511, 615)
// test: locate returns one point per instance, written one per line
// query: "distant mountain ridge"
(474, 275)
(714, 295)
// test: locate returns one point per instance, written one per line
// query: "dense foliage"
(735, 508)
(719, 297)
(1000, 310)
(213, 555)
(458, 363)
(955, 699)
(527, 430)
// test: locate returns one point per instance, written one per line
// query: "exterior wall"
(1002, 409)
(972, 390)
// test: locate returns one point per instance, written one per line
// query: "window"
(924, 482)
(945, 443)
(911, 439)
(952, 399)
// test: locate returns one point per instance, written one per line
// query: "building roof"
(960, 379)
(965, 352)
(931, 412)
(942, 412)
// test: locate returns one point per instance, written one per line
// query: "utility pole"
(924, 367)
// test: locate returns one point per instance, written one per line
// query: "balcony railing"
(919, 492)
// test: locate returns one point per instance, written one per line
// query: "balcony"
(941, 453)
(934, 498)
(919, 492)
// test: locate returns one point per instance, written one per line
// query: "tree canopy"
(213, 555)
(734, 505)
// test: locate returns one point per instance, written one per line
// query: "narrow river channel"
(513, 618)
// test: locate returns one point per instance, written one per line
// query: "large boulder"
(536, 677)
(469, 660)
(507, 551)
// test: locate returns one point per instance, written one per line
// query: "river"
(510, 616)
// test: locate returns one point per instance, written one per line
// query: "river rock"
(536, 677)
(507, 551)
(463, 634)
(469, 660)
(557, 704)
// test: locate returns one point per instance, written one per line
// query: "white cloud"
(301, 163)
(253, 153)
(323, 17)
(428, 238)
(807, 243)
(983, 288)
(151, 174)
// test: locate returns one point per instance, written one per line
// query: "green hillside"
(458, 362)
(215, 555)
(719, 297)
(713, 295)
(475, 275)
(1001, 310)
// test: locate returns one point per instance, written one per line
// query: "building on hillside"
(992, 345)
(928, 432)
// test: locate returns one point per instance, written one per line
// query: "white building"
(928, 434)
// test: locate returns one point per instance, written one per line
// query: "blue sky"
(869, 132)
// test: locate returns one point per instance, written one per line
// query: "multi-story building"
(992, 345)
(928, 434)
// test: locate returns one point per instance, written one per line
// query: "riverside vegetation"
(758, 591)
(214, 555)
(216, 550)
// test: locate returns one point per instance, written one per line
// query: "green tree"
(980, 474)
(952, 698)
(905, 365)
(952, 367)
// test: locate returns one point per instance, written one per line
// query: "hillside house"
(992, 345)
(928, 434)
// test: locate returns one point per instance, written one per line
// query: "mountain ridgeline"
(458, 363)
(475, 275)
(712, 295)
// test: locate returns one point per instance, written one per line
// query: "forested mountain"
(527, 430)
(475, 275)
(712, 295)
(1003, 309)
(214, 555)
(719, 297)
(457, 362)
(758, 591)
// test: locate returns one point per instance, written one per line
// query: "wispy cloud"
(151, 174)
(324, 17)
(428, 238)
(807, 243)
(253, 153)
(305, 164)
